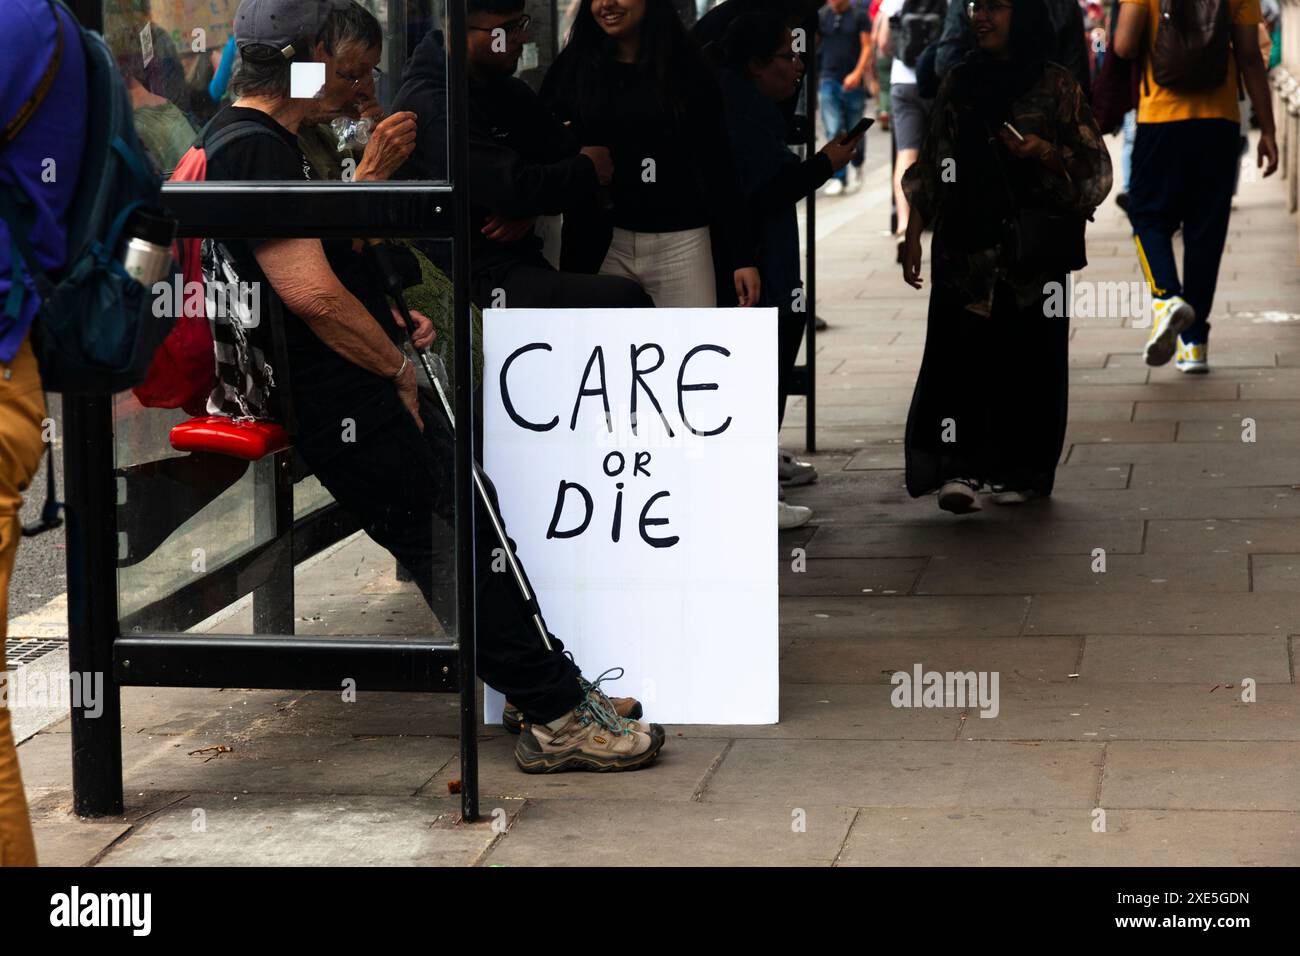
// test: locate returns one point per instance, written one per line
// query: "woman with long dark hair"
(632, 79)
(1011, 168)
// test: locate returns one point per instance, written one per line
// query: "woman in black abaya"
(1012, 166)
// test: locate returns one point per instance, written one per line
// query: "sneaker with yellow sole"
(1169, 317)
(590, 737)
(1192, 357)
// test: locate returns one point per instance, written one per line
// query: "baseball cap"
(286, 28)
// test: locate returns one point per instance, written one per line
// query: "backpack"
(95, 332)
(1190, 53)
(209, 363)
(918, 24)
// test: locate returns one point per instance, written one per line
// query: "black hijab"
(990, 85)
(983, 88)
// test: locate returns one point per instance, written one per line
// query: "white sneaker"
(791, 516)
(1168, 318)
(854, 176)
(833, 187)
(958, 496)
(1013, 496)
(1193, 359)
(792, 472)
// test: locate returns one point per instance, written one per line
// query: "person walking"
(989, 406)
(1185, 156)
(35, 37)
(843, 67)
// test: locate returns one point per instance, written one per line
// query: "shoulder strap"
(29, 107)
(233, 133)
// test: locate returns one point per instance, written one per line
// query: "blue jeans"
(841, 111)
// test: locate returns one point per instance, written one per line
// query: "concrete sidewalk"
(1121, 737)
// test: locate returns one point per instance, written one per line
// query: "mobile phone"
(864, 125)
(1013, 131)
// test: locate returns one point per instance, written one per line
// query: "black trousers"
(399, 483)
(1183, 178)
(533, 284)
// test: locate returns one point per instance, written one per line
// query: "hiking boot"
(592, 737)
(1192, 357)
(1169, 317)
(959, 496)
(629, 708)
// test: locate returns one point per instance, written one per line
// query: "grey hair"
(258, 77)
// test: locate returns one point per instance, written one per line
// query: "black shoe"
(1121, 200)
(821, 324)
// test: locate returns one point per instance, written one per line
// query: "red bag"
(184, 369)
(1115, 89)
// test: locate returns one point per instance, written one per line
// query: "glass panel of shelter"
(203, 517)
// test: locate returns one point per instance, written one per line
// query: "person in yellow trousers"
(42, 134)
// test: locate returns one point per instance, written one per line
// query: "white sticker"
(146, 43)
(306, 80)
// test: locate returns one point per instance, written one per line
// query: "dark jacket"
(1070, 49)
(522, 162)
(772, 180)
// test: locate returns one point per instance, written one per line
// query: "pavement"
(1140, 626)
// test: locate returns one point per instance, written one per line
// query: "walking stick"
(393, 285)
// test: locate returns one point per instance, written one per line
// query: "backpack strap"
(33, 102)
(233, 133)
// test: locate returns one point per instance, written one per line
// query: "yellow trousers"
(22, 409)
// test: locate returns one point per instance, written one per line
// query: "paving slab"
(961, 836)
(311, 830)
(1137, 574)
(835, 711)
(1275, 572)
(74, 841)
(813, 577)
(846, 660)
(1202, 775)
(987, 615)
(908, 773)
(1262, 410)
(1274, 432)
(1184, 613)
(1070, 710)
(614, 833)
(1219, 535)
(976, 539)
(1208, 659)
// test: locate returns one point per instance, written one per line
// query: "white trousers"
(674, 268)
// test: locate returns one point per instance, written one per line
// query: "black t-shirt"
(841, 44)
(325, 387)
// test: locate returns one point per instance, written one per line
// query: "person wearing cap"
(384, 451)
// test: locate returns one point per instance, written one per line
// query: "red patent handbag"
(248, 439)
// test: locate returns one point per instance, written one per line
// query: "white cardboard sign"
(634, 451)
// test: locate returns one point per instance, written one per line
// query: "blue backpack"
(96, 330)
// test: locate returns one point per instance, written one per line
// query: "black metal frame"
(274, 658)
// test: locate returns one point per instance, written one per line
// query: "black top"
(522, 162)
(672, 168)
(841, 42)
(325, 386)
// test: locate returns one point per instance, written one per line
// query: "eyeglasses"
(375, 76)
(511, 27)
(975, 6)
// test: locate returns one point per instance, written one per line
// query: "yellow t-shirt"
(1159, 105)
